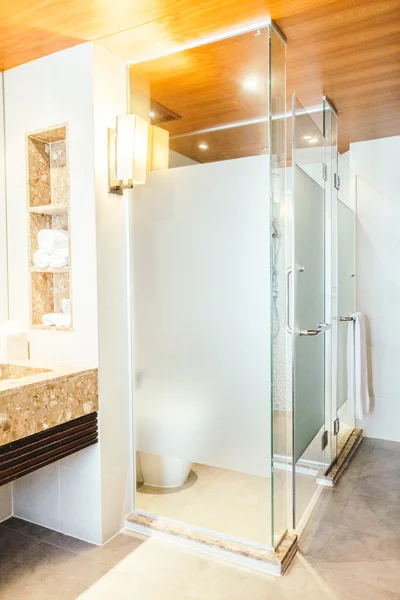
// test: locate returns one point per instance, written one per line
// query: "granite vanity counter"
(37, 396)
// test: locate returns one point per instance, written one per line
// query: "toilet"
(168, 435)
(163, 471)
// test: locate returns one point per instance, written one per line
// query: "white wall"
(110, 93)
(202, 314)
(3, 218)
(49, 91)
(376, 164)
(46, 92)
(87, 494)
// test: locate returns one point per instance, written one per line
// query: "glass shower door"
(346, 295)
(308, 307)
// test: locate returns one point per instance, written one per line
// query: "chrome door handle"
(309, 331)
(321, 327)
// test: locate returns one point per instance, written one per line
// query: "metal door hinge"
(324, 440)
(336, 426)
(324, 172)
(336, 181)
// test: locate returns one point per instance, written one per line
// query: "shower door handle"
(310, 332)
(289, 271)
(324, 326)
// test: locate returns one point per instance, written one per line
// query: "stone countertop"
(53, 395)
(49, 372)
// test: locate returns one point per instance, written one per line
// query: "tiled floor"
(350, 550)
(210, 499)
(230, 502)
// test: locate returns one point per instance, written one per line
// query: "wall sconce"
(127, 153)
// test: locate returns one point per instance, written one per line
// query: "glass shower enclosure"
(207, 238)
(234, 310)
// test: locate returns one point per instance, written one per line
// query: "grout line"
(21, 552)
(33, 537)
(81, 554)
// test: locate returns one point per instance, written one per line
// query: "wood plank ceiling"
(220, 113)
(347, 49)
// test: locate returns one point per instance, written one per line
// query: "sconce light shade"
(131, 148)
(158, 153)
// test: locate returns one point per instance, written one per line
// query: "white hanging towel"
(357, 367)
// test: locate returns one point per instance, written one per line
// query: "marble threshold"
(337, 468)
(239, 552)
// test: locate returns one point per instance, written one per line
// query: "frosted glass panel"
(308, 313)
(202, 345)
(200, 241)
(346, 306)
(309, 310)
(346, 289)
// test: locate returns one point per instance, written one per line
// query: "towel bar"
(346, 319)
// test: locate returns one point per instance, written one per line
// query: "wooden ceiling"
(346, 49)
(219, 95)
(207, 85)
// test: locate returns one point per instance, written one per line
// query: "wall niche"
(49, 229)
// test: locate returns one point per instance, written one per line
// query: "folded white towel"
(41, 259)
(52, 239)
(357, 367)
(57, 320)
(59, 258)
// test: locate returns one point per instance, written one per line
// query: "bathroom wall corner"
(110, 100)
(3, 215)
(64, 496)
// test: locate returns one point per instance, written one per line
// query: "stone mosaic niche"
(48, 202)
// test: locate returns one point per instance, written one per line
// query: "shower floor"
(233, 503)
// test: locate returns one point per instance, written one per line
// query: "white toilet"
(168, 426)
(163, 471)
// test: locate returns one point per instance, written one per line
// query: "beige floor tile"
(47, 570)
(122, 586)
(13, 544)
(383, 575)
(31, 529)
(382, 460)
(110, 554)
(372, 516)
(315, 538)
(330, 507)
(218, 580)
(229, 502)
(384, 485)
(349, 545)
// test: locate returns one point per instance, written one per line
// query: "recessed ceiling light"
(251, 84)
(203, 146)
(307, 137)
(152, 114)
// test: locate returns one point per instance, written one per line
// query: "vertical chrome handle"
(289, 271)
